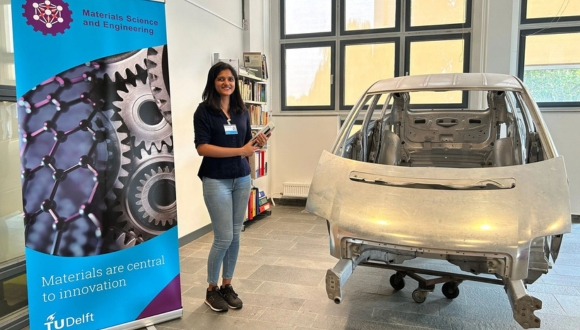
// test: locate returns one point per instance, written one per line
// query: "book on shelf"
(258, 164)
(258, 117)
(256, 62)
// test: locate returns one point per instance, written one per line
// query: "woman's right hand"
(248, 150)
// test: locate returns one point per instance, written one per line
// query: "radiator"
(295, 189)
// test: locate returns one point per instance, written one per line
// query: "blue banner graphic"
(98, 180)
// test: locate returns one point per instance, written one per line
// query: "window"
(13, 290)
(429, 55)
(374, 40)
(309, 69)
(365, 62)
(438, 14)
(369, 16)
(538, 11)
(549, 62)
(307, 18)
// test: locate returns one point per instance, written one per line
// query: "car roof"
(448, 81)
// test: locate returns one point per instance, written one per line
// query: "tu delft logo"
(56, 324)
(47, 17)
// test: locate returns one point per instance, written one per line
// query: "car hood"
(498, 209)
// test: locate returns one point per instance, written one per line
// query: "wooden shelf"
(252, 77)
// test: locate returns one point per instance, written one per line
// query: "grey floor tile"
(269, 243)
(488, 323)
(554, 289)
(288, 226)
(566, 270)
(285, 274)
(245, 269)
(191, 265)
(291, 291)
(305, 263)
(570, 304)
(412, 319)
(286, 316)
(271, 301)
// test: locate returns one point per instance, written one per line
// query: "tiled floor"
(280, 277)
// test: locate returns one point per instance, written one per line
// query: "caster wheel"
(397, 282)
(450, 290)
(419, 296)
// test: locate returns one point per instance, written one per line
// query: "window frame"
(8, 93)
(343, 43)
(466, 64)
(522, 54)
(283, 48)
(525, 20)
(340, 37)
(395, 29)
(466, 25)
(283, 34)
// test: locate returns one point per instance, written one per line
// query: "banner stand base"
(149, 321)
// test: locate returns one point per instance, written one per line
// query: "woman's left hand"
(261, 140)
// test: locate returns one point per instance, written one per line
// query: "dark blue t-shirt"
(208, 128)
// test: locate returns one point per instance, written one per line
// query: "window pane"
(552, 67)
(552, 8)
(437, 56)
(14, 295)
(7, 73)
(369, 14)
(307, 16)
(364, 65)
(308, 76)
(437, 12)
(11, 224)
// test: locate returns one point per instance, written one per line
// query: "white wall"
(297, 144)
(563, 128)
(193, 35)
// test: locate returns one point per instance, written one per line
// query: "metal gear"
(118, 160)
(143, 118)
(120, 65)
(148, 204)
(157, 70)
(150, 208)
(117, 239)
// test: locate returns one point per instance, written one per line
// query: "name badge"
(231, 129)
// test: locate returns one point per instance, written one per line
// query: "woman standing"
(222, 136)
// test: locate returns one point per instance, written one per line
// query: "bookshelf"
(254, 90)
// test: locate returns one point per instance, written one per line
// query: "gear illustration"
(158, 71)
(143, 118)
(122, 66)
(148, 204)
(119, 161)
(47, 17)
(117, 239)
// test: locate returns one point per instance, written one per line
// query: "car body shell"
(454, 195)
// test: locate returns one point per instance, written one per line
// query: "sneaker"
(231, 297)
(215, 300)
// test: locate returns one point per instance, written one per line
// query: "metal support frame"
(523, 305)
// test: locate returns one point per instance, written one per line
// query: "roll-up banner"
(98, 180)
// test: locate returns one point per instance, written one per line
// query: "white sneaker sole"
(215, 309)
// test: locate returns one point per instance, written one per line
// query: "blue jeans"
(226, 201)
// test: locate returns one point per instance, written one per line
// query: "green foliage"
(556, 85)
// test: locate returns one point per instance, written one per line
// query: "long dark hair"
(212, 98)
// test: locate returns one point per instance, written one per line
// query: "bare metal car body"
(483, 189)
